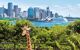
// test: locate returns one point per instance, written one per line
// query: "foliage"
(57, 37)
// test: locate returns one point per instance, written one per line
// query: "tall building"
(37, 13)
(31, 13)
(19, 10)
(56, 15)
(14, 14)
(10, 9)
(48, 12)
(16, 10)
(24, 14)
(43, 14)
(51, 14)
(2, 11)
(6, 12)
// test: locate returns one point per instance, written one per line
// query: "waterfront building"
(5, 15)
(24, 14)
(48, 12)
(14, 14)
(56, 15)
(31, 13)
(42, 14)
(20, 15)
(6, 12)
(16, 10)
(19, 10)
(2, 11)
(37, 13)
(51, 14)
(10, 9)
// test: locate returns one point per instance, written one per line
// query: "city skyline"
(62, 7)
(13, 11)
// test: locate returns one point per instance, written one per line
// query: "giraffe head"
(25, 28)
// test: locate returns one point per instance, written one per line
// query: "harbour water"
(55, 21)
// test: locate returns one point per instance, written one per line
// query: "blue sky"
(63, 7)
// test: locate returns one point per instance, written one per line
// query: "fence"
(21, 46)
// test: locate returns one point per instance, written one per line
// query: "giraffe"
(26, 30)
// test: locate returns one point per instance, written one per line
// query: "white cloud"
(25, 7)
(3, 4)
(66, 10)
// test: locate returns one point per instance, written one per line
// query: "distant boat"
(48, 19)
(44, 20)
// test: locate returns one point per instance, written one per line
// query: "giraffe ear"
(28, 28)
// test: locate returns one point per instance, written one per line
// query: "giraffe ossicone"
(25, 29)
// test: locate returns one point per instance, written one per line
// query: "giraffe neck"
(28, 41)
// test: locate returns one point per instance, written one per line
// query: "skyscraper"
(30, 13)
(19, 10)
(10, 9)
(37, 13)
(43, 14)
(16, 10)
(56, 15)
(51, 14)
(1, 11)
(13, 14)
(5, 12)
(24, 14)
(48, 12)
